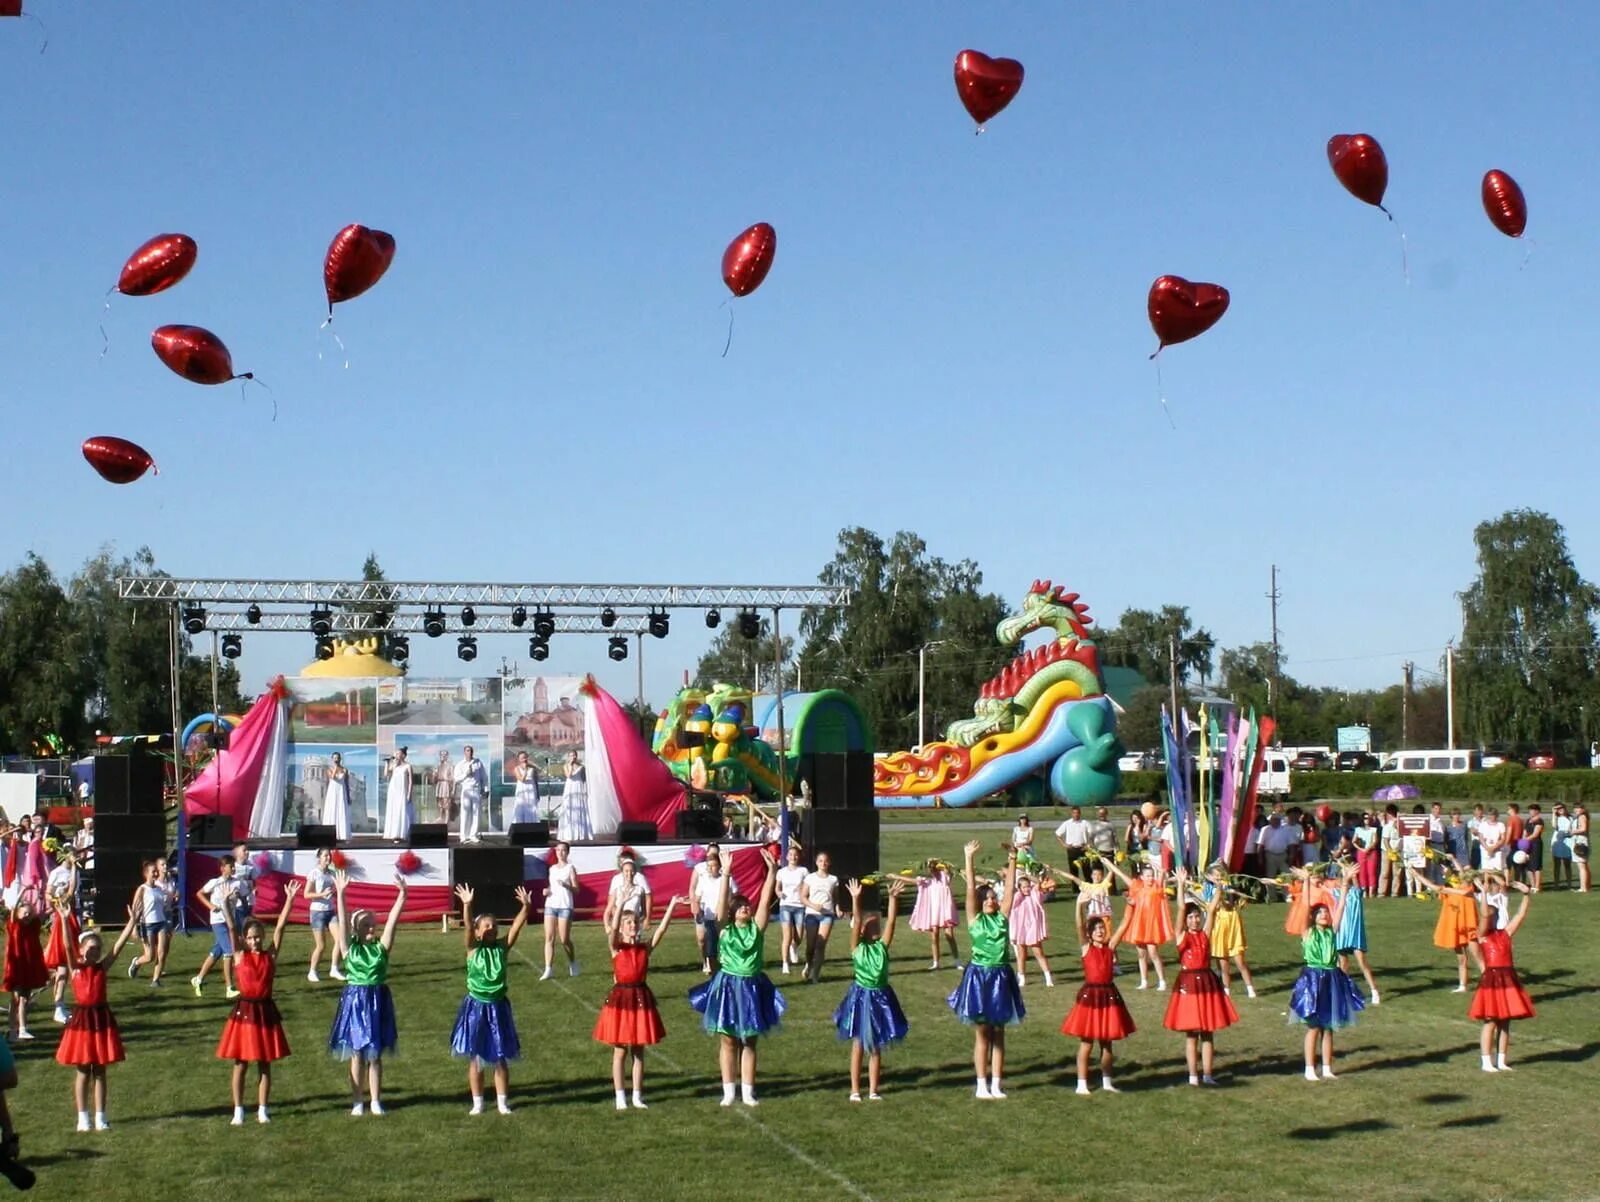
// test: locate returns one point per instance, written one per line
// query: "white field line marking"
(743, 1112)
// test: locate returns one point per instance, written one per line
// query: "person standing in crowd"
(705, 898)
(319, 899)
(216, 895)
(1473, 824)
(1277, 838)
(1515, 826)
(629, 890)
(472, 787)
(61, 898)
(1437, 843)
(526, 806)
(1365, 840)
(560, 899)
(575, 824)
(444, 789)
(1492, 843)
(1458, 840)
(397, 812)
(822, 907)
(988, 998)
(336, 798)
(1560, 845)
(792, 909)
(1022, 838)
(245, 875)
(1073, 835)
(150, 903)
(1580, 844)
(1391, 870)
(1102, 835)
(1533, 844)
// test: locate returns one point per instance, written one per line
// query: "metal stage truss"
(348, 624)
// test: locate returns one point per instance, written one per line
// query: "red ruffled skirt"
(253, 1032)
(90, 1037)
(1500, 996)
(25, 969)
(1198, 1003)
(63, 942)
(630, 1018)
(1099, 1013)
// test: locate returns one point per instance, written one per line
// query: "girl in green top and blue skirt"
(363, 1026)
(739, 1002)
(1324, 999)
(988, 996)
(870, 1015)
(485, 1031)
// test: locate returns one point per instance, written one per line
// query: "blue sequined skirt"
(743, 1007)
(1326, 998)
(485, 1030)
(364, 1023)
(989, 996)
(871, 1015)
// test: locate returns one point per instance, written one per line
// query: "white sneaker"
(83, 1122)
(101, 1123)
(874, 1097)
(785, 968)
(547, 974)
(61, 1015)
(1249, 991)
(1311, 1073)
(312, 976)
(237, 1120)
(855, 1097)
(1144, 984)
(1083, 1088)
(1161, 987)
(358, 1110)
(638, 1102)
(1327, 1074)
(749, 1099)
(983, 1091)
(572, 969)
(1375, 997)
(376, 1110)
(502, 1107)
(622, 1102)
(262, 1116)
(1107, 1087)
(1208, 1079)
(336, 974)
(1459, 989)
(24, 1035)
(1502, 1067)
(994, 1092)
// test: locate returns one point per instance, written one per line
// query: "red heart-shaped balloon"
(157, 265)
(356, 260)
(1502, 200)
(1180, 310)
(748, 258)
(986, 85)
(1359, 162)
(117, 459)
(195, 354)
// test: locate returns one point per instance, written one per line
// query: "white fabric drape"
(266, 815)
(605, 808)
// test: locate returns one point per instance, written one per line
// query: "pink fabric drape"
(646, 789)
(229, 783)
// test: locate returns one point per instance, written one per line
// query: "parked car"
(1356, 761)
(1493, 757)
(1136, 761)
(1310, 761)
(1542, 761)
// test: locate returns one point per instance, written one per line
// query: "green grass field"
(1412, 1115)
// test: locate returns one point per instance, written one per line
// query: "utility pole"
(1405, 703)
(1172, 681)
(1450, 695)
(922, 689)
(1272, 684)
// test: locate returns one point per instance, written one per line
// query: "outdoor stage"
(373, 868)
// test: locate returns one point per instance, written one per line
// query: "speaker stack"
(636, 833)
(127, 784)
(850, 837)
(492, 873)
(211, 830)
(122, 843)
(430, 834)
(528, 834)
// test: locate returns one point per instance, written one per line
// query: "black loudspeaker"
(850, 837)
(425, 834)
(123, 842)
(830, 789)
(211, 830)
(637, 832)
(529, 834)
(128, 784)
(493, 874)
(858, 781)
(110, 784)
(699, 824)
(316, 835)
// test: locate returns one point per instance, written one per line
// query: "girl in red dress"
(1199, 1008)
(253, 1033)
(91, 1040)
(629, 1020)
(1500, 998)
(60, 896)
(1098, 1015)
(25, 972)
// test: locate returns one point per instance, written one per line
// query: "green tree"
(1144, 639)
(1529, 650)
(380, 613)
(734, 659)
(45, 682)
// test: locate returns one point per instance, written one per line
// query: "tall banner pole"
(175, 645)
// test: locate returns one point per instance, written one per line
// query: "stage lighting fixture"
(325, 647)
(658, 623)
(467, 647)
(617, 647)
(713, 618)
(608, 617)
(194, 618)
(253, 615)
(433, 623)
(321, 620)
(399, 648)
(519, 615)
(538, 648)
(232, 646)
(544, 623)
(468, 615)
(749, 623)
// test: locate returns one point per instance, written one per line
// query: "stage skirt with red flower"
(25, 967)
(90, 1038)
(1099, 1013)
(253, 1032)
(1198, 1003)
(1500, 997)
(63, 944)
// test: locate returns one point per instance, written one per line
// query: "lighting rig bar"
(405, 593)
(345, 624)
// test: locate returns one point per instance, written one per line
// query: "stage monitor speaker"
(850, 837)
(315, 834)
(529, 834)
(637, 832)
(211, 830)
(429, 834)
(493, 874)
(699, 824)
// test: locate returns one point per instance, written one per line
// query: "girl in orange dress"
(629, 1020)
(1500, 999)
(91, 1040)
(1099, 1014)
(254, 1031)
(1146, 924)
(1199, 1008)
(1457, 928)
(1306, 893)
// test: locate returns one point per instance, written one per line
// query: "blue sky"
(952, 339)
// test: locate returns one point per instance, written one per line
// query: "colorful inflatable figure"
(1045, 713)
(704, 739)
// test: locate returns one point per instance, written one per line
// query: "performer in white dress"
(397, 813)
(472, 787)
(526, 808)
(336, 799)
(574, 824)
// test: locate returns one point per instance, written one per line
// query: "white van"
(1274, 775)
(1439, 762)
